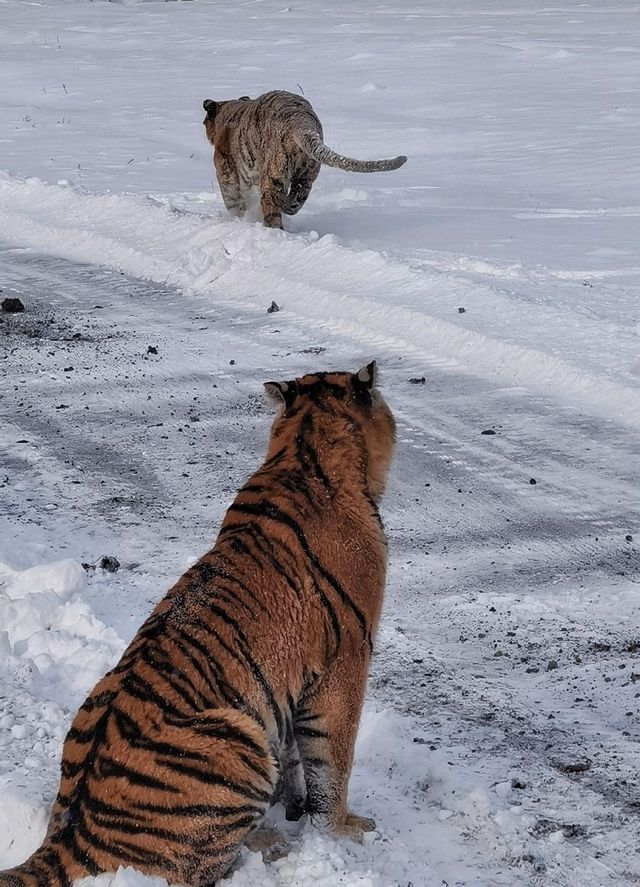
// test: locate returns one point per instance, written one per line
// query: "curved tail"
(312, 144)
(50, 866)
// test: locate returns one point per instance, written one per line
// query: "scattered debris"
(418, 380)
(552, 665)
(488, 431)
(462, 310)
(273, 307)
(579, 765)
(537, 862)
(545, 827)
(109, 563)
(12, 306)
(533, 481)
(152, 349)
(628, 538)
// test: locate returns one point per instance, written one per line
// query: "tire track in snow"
(388, 304)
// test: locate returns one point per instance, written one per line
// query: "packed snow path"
(508, 653)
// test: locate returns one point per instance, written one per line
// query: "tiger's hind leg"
(233, 193)
(274, 185)
(325, 732)
(301, 183)
(174, 795)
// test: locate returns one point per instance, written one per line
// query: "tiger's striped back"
(261, 647)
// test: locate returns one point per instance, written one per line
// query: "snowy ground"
(509, 650)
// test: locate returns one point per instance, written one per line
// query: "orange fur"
(259, 653)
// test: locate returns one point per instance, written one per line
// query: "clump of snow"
(52, 651)
(48, 625)
(315, 859)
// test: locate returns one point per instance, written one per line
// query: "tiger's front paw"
(363, 823)
(352, 827)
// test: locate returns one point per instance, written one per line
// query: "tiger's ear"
(211, 108)
(366, 378)
(244, 98)
(281, 393)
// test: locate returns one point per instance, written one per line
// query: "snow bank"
(317, 860)
(52, 651)
(388, 304)
(46, 624)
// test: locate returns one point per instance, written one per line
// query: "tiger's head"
(213, 109)
(342, 416)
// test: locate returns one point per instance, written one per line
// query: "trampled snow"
(495, 277)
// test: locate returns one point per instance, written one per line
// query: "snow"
(508, 649)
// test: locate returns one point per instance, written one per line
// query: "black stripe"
(254, 529)
(273, 460)
(310, 733)
(107, 768)
(157, 658)
(248, 658)
(225, 593)
(139, 688)
(308, 454)
(82, 857)
(124, 852)
(256, 766)
(100, 701)
(230, 695)
(184, 641)
(69, 770)
(81, 737)
(272, 512)
(127, 726)
(47, 862)
(241, 585)
(265, 546)
(97, 806)
(212, 810)
(207, 777)
(218, 728)
(181, 838)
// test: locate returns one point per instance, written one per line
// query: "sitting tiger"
(258, 653)
(273, 142)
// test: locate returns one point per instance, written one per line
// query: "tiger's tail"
(312, 144)
(49, 866)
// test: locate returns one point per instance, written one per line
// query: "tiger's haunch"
(245, 683)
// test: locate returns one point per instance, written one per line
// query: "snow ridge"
(387, 303)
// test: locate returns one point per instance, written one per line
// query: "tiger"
(249, 671)
(274, 142)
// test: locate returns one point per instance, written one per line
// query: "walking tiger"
(259, 653)
(274, 142)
